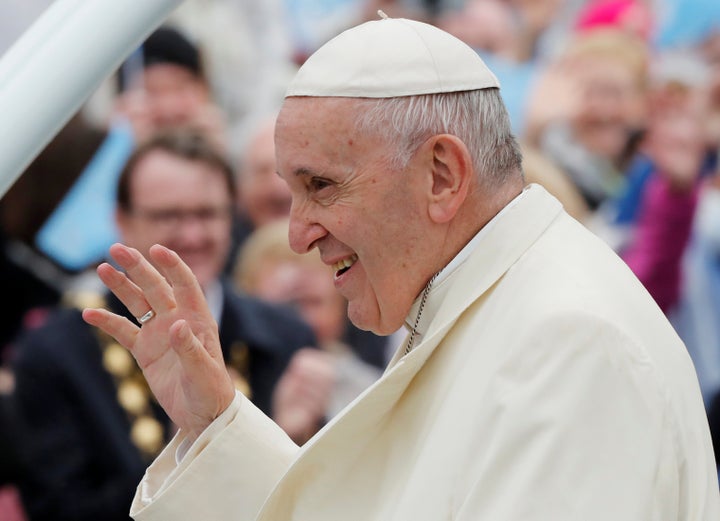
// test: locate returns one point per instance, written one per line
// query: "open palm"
(178, 349)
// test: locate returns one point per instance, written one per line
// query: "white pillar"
(58, 63)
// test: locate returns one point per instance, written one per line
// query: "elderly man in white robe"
(538, 380)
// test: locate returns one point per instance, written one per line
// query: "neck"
(480, 207)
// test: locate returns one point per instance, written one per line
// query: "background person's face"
(350, 204)
(263, 195)
(610, 106)
(310, 290)
(174, 95)
(183, 205)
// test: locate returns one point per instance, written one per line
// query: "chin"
(203, 277)
(361, 320)
(374, 323)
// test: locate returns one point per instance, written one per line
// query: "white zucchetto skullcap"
(390, 58)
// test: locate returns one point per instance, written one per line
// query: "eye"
(317, 184)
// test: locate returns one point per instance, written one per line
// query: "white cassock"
(547, 386)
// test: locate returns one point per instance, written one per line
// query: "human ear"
(452, 173)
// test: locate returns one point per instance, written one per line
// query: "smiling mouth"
(343, 265)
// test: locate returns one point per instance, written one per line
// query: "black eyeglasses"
(175, 217)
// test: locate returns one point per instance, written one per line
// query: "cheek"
(143, 244)
(401, 223)
(223, 235)
(387, 243)
(141, 236)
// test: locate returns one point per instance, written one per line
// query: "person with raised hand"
(538, 380)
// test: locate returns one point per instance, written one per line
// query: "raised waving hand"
(178, 349)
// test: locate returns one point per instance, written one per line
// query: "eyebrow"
(302, 171)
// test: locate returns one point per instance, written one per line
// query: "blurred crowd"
(617, 107)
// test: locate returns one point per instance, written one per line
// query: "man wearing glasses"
(94, 423)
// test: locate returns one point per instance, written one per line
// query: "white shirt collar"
(214, 296)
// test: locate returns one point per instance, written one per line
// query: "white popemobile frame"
(58, 63)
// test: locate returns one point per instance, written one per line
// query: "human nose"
(196, 221)
(304, 231)
(192, 229)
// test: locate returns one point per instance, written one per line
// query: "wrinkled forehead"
(321, 134)
(312, 116)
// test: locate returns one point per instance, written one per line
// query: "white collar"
(214, 296)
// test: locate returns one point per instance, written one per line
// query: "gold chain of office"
(132, 390)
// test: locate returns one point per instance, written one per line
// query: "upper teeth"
(344, 263)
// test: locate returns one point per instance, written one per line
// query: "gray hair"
(477, 117)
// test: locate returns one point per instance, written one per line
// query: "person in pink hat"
(633, 16)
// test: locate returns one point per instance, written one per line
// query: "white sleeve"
(225, 474)
(581, 423)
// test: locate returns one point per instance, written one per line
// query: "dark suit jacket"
(84, 465)
(10, 437)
